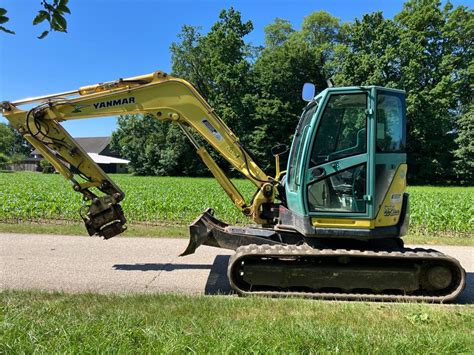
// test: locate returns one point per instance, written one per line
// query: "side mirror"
(308, 92)
(279, 149)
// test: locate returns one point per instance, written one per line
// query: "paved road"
(143, 265)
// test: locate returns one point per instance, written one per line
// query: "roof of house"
(89, 144)
(102, 159)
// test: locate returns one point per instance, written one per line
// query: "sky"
(111, 39)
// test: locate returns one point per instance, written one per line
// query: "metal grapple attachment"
(104, 217)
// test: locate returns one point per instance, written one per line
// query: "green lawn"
(45, 323)
(179, 231)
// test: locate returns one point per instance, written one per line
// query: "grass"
(181, 231)
(87, 323)
(65, 228)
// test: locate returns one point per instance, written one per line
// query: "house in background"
(99, 150)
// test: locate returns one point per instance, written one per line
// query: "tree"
(426, 51)
(7, 138)
(290, 59)
(154, 147)
(433, 66)
(278, 32)
(464, 154)
(12, 144)
(216, 63)
(369, 54)
(52, 12)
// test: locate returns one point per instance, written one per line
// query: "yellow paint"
(159, 95)
(222, 179)
(389, 212)
(342, 223)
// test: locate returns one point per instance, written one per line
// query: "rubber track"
(285, 251)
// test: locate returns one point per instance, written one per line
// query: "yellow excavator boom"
(159, 95)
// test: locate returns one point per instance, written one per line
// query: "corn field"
(178, 200)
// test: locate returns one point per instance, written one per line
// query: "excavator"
(329, 227)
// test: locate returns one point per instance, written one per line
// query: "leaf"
(418, 318)
(42, 15)
(63, 2)
(6, 30)
(59, 23)
(3, 19)
(2, 11)
(48, 6)
(64, 9)
(43, 35)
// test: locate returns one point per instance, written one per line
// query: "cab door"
(339, 171)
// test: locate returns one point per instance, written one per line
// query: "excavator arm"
(159, 95)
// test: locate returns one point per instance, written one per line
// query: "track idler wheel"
(436, 277)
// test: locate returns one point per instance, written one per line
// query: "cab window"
(342, 130)
(390, 122)
(297, 147)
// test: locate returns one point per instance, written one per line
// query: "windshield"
(296, 149)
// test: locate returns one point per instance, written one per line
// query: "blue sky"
(111, 39)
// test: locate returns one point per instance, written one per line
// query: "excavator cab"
(347, 165)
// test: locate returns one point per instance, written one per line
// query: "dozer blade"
(208, 230)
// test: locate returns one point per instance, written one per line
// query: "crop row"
(32, 196)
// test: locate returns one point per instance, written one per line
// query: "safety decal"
(396, 198)
(211, 128)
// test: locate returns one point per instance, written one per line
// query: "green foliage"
(12, 144)
(464, 154)
(433, 210)
(278, 32)
(441, 209)
(426, 50)
(7, 138)
(53, 13)
(3, 159)
(216, 64)
(46, 167)
(154, 147)
(279, 74)
(3, 19)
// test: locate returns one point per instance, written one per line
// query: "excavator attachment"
(104, 217)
